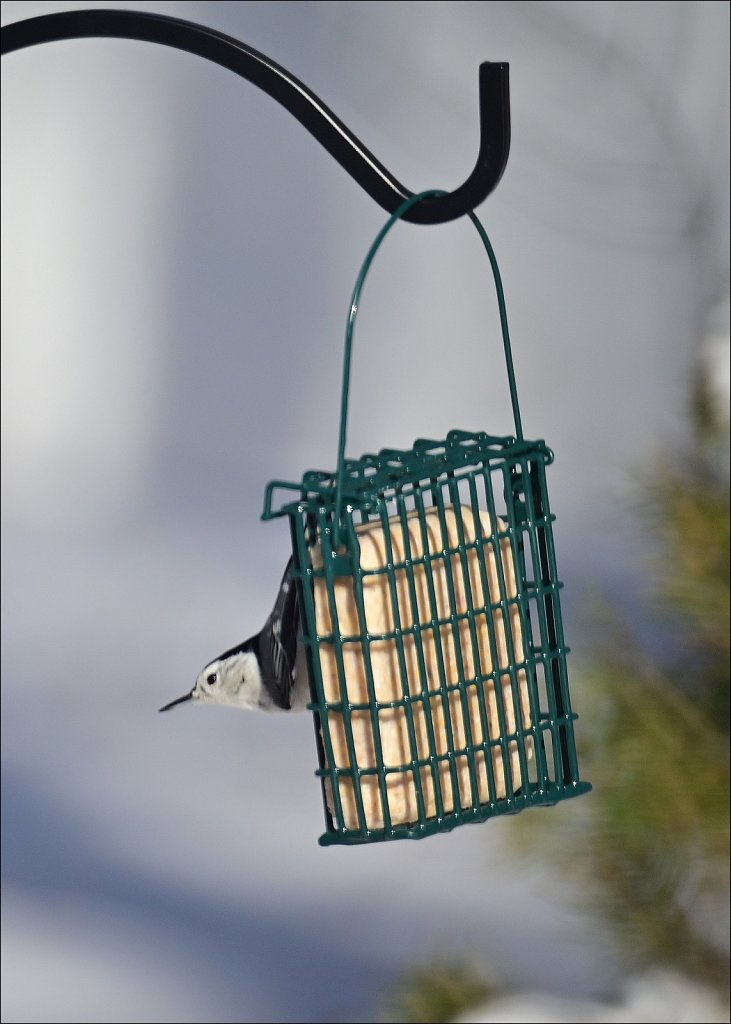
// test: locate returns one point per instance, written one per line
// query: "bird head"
(232, 679)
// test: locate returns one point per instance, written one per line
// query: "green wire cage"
(431, 622)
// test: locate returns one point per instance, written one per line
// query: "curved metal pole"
(298, 99)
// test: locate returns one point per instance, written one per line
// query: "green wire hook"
(353, 313)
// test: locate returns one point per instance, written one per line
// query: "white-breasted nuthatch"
(267, 671)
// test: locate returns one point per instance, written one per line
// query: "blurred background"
(178, 260)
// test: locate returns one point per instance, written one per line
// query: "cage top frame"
(367, 479)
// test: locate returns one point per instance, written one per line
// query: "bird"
(267, 672)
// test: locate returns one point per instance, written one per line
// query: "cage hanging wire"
(432, 625)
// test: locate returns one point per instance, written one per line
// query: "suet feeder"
(427, 578)
(431, 620)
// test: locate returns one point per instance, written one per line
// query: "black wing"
(277, 642)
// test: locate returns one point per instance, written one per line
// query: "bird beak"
(178, 700)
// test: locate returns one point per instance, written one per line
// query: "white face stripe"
(238, 682)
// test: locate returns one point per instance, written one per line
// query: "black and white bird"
(265, 672)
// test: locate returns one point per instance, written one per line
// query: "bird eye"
(211, 678)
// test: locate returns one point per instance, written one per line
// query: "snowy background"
(178, 259)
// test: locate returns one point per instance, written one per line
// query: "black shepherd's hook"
(298, 99)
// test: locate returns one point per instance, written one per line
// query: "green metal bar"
(435, 625)
(307, 616)
(544, 606)
(516, 659)
(454, 623)
(493, 675)
(476, 657)
(497, 605)
(516, 527)
(511, 478)
(550, 573)
(271, 487)
(366, 640)
(335, 772)
(434, 759)
(502, 605)
(403, 673)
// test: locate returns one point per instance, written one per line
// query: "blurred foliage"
(651, 842)
(685, 502)
(653, 845)
(436, 992)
